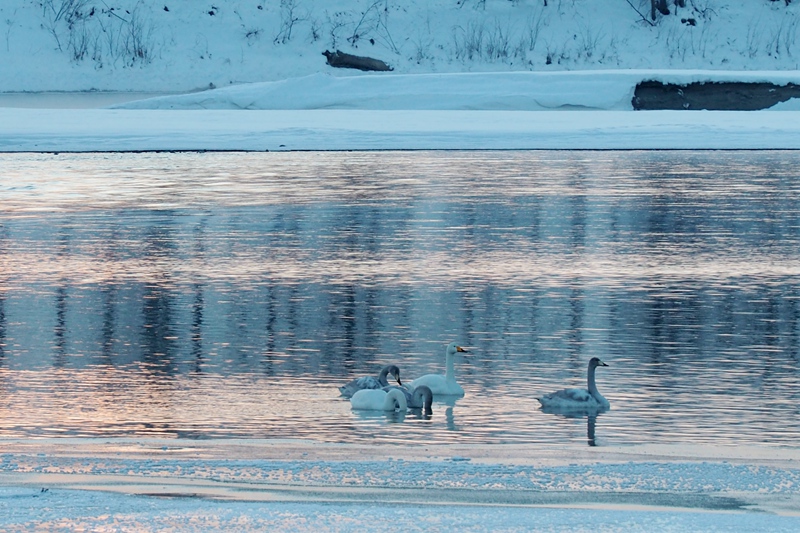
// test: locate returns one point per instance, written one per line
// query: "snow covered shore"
(297, 485)
(67, 510)
(497, 91)
(124, 130)
(410, 112)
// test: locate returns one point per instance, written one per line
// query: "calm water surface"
(210, 295)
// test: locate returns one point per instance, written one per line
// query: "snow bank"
(409, 112)
(251, 485)
(97, 130)
(181, 46)
(520, 91)
(29, 509)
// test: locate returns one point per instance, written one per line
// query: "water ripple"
(228, 294)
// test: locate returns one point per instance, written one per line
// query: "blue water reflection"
(208, 295)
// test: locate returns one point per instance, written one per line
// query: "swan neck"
(592, 386)
(450, 367)
(395, 400)
(423, 399)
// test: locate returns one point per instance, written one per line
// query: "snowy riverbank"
(572, 110)
(297, 485)
(124, 130)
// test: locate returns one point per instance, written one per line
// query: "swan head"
(594, 362)
(394, 371)
(452, 348)
(390, 370)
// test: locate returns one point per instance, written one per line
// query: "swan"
(446, 384)
(370, 382)
(379, 400)
(419, 398)
(578, 399)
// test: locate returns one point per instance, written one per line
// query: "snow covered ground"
(467, 75)
(66, 510)
(171, 46)
(120, 130)
(151, 485)
(407, 112)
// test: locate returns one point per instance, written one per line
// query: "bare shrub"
(60, 15)
(468, 42)
(753, 39)
(497, 46)
(137, 37)
(368, 20)
(315, 31)
(80, 38)
(589, 40)
(783, 37)
(382, 29)
(291, 14)
(533, 27)
(102, 35)
(337, 23)
(9, 26)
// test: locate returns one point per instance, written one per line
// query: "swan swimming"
(370, 382)
(379, 400)
(419, 398)
(578, 399)
(446, 384)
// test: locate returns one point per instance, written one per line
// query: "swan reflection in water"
(392, 417)
(449, 402)
(395, 417)
(591, 416)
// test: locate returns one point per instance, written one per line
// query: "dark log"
(342, 60)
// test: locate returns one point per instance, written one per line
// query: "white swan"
(446, 384)
(578, 399)
(419, 398)
(370, 382)
(379, 400)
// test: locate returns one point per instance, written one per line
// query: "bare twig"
(644, 17)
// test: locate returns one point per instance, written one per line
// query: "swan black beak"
(602, 363)
(460, 349)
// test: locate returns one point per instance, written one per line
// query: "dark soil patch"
(718, 96)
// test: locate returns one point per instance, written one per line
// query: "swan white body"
(443, 384)
(379, 400)
(370, 382)
(588, 399)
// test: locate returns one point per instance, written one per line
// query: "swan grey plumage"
(370, 382)
(443, 384)
(578, 399)
(379, 400)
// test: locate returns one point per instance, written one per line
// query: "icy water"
(207, 295)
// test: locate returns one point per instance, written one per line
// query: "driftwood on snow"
(341, 60)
